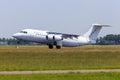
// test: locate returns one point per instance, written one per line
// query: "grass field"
(69, 76)
(42, 58)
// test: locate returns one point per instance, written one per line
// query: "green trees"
(110, 39)
(12, 41)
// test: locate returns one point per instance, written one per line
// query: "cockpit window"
(23, 32)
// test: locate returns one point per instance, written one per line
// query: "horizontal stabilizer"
(102, 25)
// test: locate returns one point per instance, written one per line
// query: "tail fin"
(94, 31)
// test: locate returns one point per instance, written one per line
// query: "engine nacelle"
(53, 37)
(50, 37)
(57, 37)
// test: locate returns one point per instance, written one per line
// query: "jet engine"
(56, 39)
(52, 37)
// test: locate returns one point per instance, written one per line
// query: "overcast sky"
(67, 16)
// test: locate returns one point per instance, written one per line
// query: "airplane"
(60, 39)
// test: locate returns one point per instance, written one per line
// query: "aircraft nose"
(16, 35)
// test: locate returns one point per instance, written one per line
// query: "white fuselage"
(60, 39)
(40, 37)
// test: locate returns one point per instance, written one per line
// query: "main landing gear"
(58, 47)
(51, 46)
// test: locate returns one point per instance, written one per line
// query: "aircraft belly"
(70, 43)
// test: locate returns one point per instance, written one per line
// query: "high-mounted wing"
(65, 36)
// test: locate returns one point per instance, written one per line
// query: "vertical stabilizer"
(94, 31)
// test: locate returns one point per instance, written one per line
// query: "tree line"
(13, 41)
(110, 39)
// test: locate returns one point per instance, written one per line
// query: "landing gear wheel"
(17, 45)
(18, 42)
(50, 46)
(58, 47)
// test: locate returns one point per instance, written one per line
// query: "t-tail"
(93, 32)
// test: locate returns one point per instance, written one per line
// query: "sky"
(66, 16)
